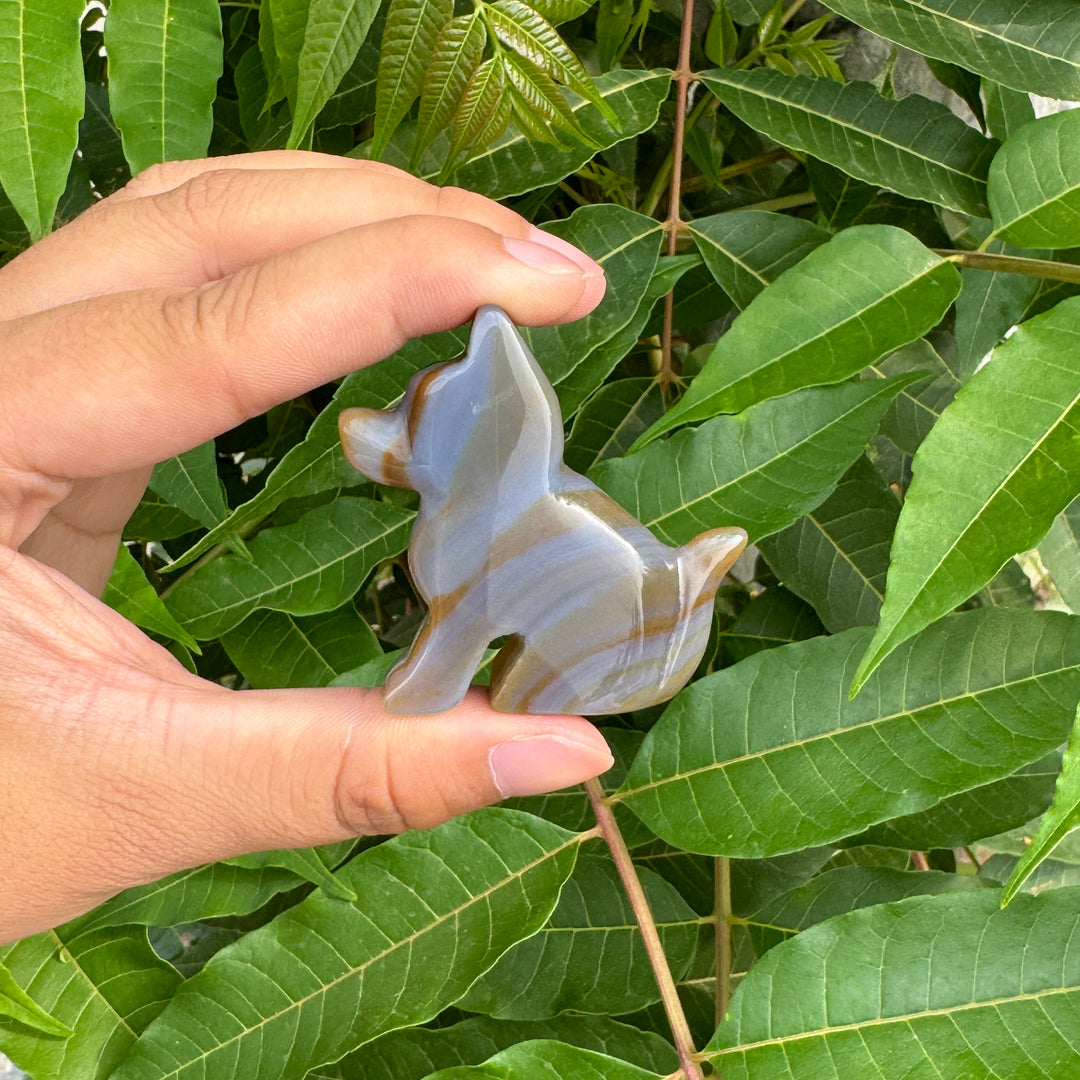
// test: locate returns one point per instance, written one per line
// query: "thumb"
(290, 768)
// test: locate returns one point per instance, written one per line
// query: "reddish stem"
(654, 949)
(683, 77)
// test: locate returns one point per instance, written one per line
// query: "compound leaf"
(327, 976)
(408, 57)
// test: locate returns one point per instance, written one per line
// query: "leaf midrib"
(869, 724)
(873, 134)
(293, 582)
(352, 972)
(882, 1021)
(762, 466)
(778, 359)
(980, 30)
(987, 503)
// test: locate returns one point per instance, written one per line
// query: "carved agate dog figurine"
(601, 616)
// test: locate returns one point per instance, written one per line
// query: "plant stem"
(669, 995)
(1013, 264)
(683, 75)
(706, 103)
(784, 202)
(722, 912)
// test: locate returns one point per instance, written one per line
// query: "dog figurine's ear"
(377, 443)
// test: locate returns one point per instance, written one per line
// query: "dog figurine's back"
(601, 616)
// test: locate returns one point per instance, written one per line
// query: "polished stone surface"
(600, 616)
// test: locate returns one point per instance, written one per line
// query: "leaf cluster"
(869, 361)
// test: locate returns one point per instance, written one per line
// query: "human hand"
(199, 296)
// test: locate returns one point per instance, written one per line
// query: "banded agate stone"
(600, 616)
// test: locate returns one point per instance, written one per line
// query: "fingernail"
(575, 255)
(539, 763)
(541, 257)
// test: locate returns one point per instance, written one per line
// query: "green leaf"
(325, 977)
(274, 649)
(971, 815)
(611, 420)
(964, 84)
(866, 292)
(539, 1060)
(840, 198)
(837, 556)
(1060, 553)
(285, 31)
(165, 58)
(305, 863)
(542, 96)
(587, 378)
(154, 519)
(1006, 110)
(451, 62)
(334, 32)
(104, 986)
(203, 892)
(16, 1004)
(769, 756)
(761, 470)
(965, 515)
(932, 986)
(514, 165)
(1031, 45)
(523, 28)
(721, 39)
(746, 12)
(589, 957)
(915, 410)
(746, 250)
(627, 246)
(847, 888)
(560, 11)
(408, 58)
(414, 1053)
(988, 307)
(190, 482)
(1059, 820)
(41, 102)
(482, 113)
(914, 146)
(311, 566)
(129, 593)
(1034, 183)
(773, 618)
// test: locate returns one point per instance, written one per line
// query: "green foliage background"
(844, 260)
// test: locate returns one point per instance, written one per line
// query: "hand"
(198, 296)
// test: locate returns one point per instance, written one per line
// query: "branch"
(1013, 264)
(722, 913)
(669, 995)
(683, 75)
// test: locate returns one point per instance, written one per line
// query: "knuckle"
(383, 798)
